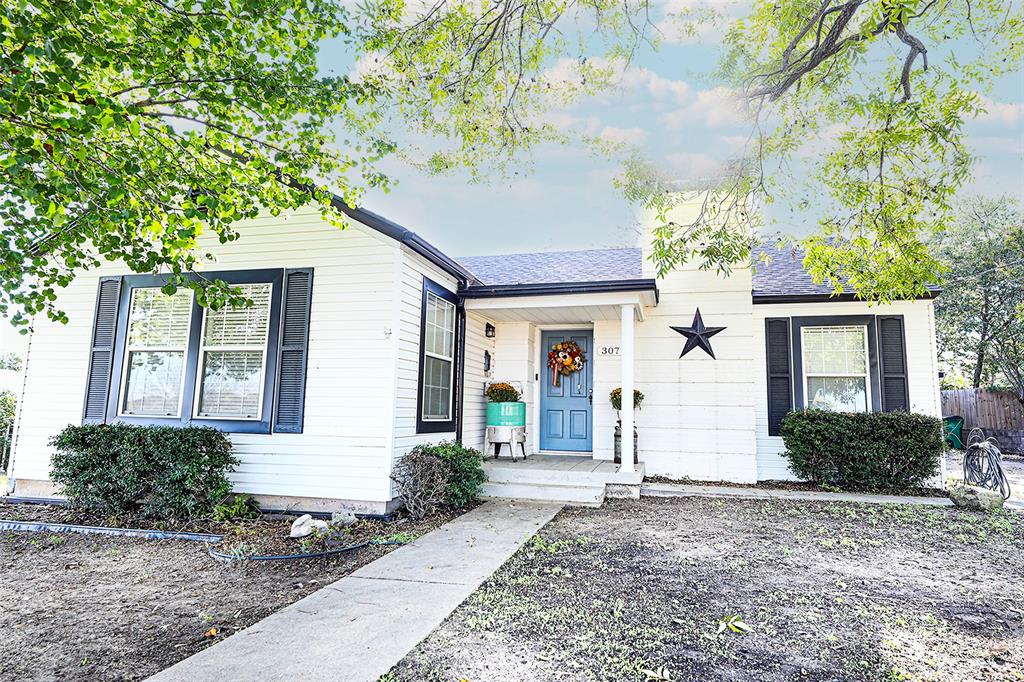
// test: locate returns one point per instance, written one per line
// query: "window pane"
(231, 384)
(233, 346)
(153, 378)
(439, 331)
(834, 350)
(153, 384)
(240, 326)
(157, 320)
(839, 394)
(437, 379)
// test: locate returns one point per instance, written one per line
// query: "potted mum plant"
(504, 405)
(616, 400)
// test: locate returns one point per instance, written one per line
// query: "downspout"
(461, 373)
(17, 416)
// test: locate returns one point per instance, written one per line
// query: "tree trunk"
(979, 360)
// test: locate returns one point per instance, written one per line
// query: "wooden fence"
(986, 409)
(997, 413)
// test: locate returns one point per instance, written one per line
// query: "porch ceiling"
(562, 308)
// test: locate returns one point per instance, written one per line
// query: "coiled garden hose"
(222, 556)
(983, 464)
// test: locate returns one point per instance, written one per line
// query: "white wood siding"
(344, 451)
(406, 380)
(515, 350)
(697, 420)
(474, 417)
(922, 367)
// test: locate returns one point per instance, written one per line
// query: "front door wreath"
(565, 358)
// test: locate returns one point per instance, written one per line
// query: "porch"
(568, 413)
(577, 480)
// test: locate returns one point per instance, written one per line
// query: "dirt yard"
(647, 591)
(85, 607)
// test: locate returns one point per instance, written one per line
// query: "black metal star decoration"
(697, 335)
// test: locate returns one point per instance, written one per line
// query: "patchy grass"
(690, 588)
(87, 607)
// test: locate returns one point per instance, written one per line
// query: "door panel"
(566, 410)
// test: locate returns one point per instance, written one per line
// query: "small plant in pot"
(616, 400)
(504, 405)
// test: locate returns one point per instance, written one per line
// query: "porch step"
(574, 495)
(559, 478)
(537, 469)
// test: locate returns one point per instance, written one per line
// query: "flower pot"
(506, 414)
(618, 444)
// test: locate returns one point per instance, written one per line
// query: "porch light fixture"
(489, 330)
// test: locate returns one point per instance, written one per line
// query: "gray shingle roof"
(601, 265)
(784, 275)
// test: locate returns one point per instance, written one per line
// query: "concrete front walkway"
(359, 627)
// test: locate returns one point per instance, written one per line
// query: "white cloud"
(623, 136)
(373, 64)
(567, 78)
(719, 107)
(698, 21)
(691, 166)
(565, 122)
(643, 79)
(1001, 113)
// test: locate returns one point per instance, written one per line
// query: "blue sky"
(670, 110)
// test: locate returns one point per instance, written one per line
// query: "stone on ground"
(973, 497)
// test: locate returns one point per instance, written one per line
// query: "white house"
(367, 341)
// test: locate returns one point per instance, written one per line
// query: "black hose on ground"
(221, 556)
(983, 464)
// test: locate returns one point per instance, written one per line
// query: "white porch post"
(627, 387)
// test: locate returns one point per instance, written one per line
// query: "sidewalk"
(688, 490)
(359, 627)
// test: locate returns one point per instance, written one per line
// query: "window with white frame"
(155, 352)
(232, 358)
(835, 368)
(438, 358)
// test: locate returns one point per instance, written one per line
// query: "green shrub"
(863, 451)
(159, 471)
(237, 507)
(433, 476)
(8, 402)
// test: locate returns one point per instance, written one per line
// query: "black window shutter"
(893, 355)
(101, 356)
(780, 372)
(291, 383)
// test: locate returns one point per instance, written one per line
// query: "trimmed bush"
(165, 472)
(430, 477)
(863, 451)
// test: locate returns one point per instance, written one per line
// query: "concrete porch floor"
(570, 479)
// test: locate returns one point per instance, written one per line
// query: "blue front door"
(565, 409)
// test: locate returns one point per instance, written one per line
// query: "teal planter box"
(506, 414)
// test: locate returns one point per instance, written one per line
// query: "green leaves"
(130, 128)
(734, 624)
(870, 147)
(981, 311)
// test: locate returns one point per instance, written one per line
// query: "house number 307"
(609, 350)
